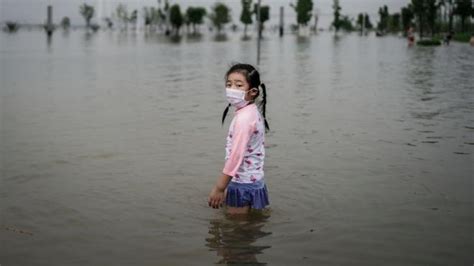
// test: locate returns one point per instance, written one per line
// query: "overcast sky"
(34, 11)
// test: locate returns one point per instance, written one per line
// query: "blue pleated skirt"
(254, 195)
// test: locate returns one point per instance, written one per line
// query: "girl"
(242, 175)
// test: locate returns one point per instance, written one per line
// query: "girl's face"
(238, 81)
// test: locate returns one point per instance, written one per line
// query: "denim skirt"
(254, 195)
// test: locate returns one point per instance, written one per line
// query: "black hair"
(253, 78)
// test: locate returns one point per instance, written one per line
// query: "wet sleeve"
(242, 132)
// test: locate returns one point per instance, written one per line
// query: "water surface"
(111, 142)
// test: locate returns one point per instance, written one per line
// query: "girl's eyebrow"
(229, 81)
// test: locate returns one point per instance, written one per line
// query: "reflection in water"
(421, 76)
(194, 37)
(233, 238)
(222, 37)
(49, 41)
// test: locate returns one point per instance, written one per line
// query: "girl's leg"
(238, 210)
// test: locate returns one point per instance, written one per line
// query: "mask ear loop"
(254, 89)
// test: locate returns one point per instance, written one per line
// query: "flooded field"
(110, 143)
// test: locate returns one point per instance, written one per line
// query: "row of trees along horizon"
(433, 16)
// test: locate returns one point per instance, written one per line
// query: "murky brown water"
(111, 142)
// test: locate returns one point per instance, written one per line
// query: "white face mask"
(236, 97)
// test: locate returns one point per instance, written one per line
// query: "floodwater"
(111, 142)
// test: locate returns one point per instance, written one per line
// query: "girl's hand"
(216, 197)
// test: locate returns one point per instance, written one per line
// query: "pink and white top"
(244, 148)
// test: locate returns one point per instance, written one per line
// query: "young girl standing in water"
(241, 185)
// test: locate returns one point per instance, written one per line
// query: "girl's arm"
(216, 197)
(243, 129)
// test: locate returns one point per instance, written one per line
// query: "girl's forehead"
(236, 76)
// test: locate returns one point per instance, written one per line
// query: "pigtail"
(263, 106)
(225, 113)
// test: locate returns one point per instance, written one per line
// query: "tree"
(176, 18)
(162, 15)
(451, 14)
(195, 16)
(431, 14)
(65, 22)
(407, 17)
(151, 16)
(394, 22)
(346, 24)
(361, 24)
(109, 22)
(337, 15)
(464, 9)
(122, 14)
(246, 15)
(419, 11)
(384, 19)
(264, 16)
(303, 10)
(368, 24)
(87, 13)
(133, 17)
(166, 12)
(220, 15)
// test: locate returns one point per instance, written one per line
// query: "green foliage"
(418, 7)
(431, 14)
(360, 22)
(264, 13)
(65, 22)
(346, 24)
(429, 42)
(428, 16)
(463, 9)
(462, 37)
(133, 17)
(151, 15)
(246, 15)
(11, 26)
(220, 15)
(176, 18)
(87, 13)
(368, 24)
(303, 10)
(195, 16)
(384, 19)
(394, 22)
(109, 22)
(122, 13)
(337, 15)
(407, 17)
(264, 16)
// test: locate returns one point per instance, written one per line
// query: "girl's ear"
(253, 92)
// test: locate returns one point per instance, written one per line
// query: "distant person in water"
(411, 36)
(472, 40)
(241, 185)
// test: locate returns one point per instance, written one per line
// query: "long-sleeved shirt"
(245, 151)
